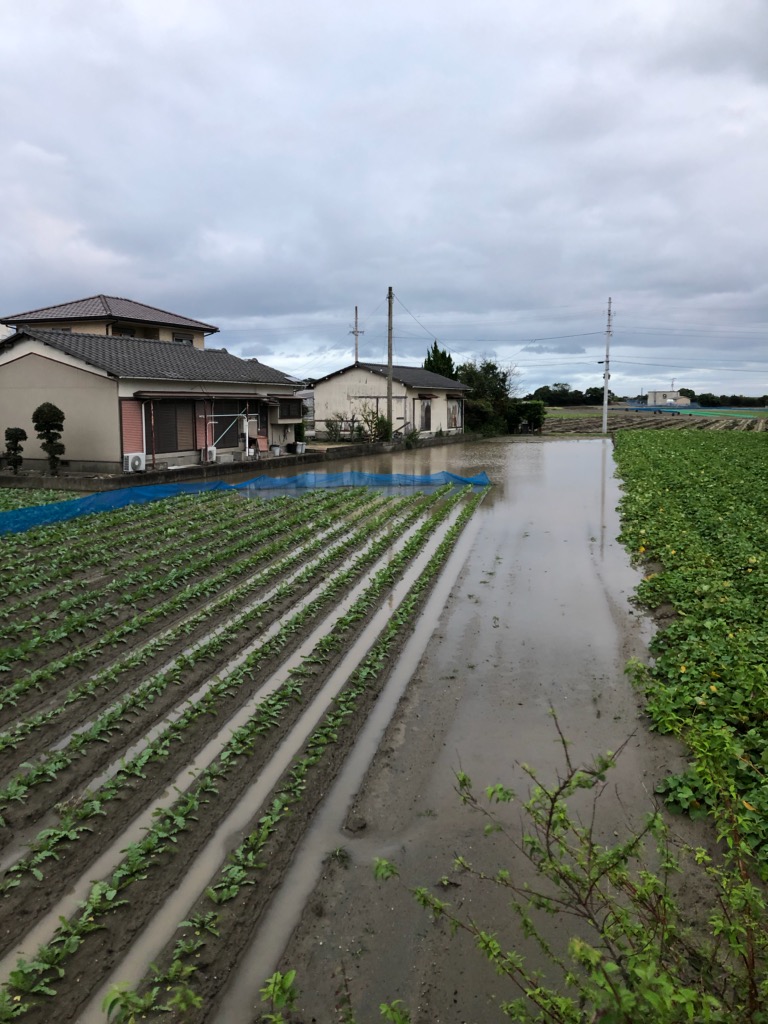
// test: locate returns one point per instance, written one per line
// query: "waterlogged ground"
(537, 616)
(530, 612)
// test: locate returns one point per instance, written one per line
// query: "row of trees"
(708, 400)
(48, 421)
(564, 394)
(491, 406)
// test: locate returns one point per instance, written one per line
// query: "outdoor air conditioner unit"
(134, 462)
(208, 454)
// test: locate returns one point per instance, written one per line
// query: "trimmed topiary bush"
(49, 423)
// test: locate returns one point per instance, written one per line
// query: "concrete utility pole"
(607, 364)
(390, 303)
(356, 333)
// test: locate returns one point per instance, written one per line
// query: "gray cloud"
(504, 167)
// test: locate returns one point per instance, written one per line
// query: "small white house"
(422, 401)
(667, 398)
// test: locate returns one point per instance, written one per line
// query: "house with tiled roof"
(107, 314)
(422, 401)
(138, 389)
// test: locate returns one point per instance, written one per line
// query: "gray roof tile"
(109, 307)
(154, 360)
(410, 376)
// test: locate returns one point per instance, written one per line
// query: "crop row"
(71, 823)
(149, 692)
(233, 600)
(45, 550)
(246, 864)
(695, 510)
(142, 579)
(262, 553)
(71, 571)
(12, 498)
(38, 976)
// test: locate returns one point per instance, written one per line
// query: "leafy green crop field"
(696, 512)
(156, 662)
(17, 497)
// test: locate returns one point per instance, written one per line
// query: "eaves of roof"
(410, 376)
(138, 359)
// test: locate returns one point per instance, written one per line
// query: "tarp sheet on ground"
(21, 519)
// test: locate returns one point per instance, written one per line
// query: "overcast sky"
(504, 165)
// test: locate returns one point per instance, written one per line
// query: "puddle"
(541, 617)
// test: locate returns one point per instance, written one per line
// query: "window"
(290, 409)
(174, 426)
(454, 414)
(183, 336)
(426, 414)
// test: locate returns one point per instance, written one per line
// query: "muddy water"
(539, 618)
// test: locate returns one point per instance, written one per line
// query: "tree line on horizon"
(493, 405)
(564, 394)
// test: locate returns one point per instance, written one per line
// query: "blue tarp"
(21, 519)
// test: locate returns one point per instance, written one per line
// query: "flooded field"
(536, 616)
(530, 612)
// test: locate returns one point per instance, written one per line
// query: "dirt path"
(540, 617)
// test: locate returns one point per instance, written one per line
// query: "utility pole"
(390, 303)
(356, 333)
(607, 364)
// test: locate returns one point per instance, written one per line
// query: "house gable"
(87, 398)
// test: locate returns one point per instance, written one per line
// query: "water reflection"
(511, 464)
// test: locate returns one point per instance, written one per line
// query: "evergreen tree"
(440, 361)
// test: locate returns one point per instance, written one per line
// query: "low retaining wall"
(91, 483)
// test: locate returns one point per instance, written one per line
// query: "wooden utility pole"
(607, 364)
(390, 303)
(356, 333)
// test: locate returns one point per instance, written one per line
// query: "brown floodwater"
(535, 614)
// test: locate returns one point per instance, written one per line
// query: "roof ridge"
(108, 305)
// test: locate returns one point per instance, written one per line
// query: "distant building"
(667, 398)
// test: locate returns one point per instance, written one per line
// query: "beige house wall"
(665, 397)
(87, 399)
